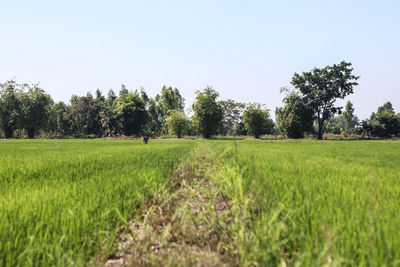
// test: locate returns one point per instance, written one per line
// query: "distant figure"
(145, 139)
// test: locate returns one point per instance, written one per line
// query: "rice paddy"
(312, 203)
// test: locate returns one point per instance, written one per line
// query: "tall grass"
(62, 201)
(312, 203)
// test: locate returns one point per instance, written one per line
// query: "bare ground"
(187, 225)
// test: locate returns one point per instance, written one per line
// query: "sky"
(246, 50)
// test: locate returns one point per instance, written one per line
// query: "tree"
(123, 90)
(386, 116)
(171, 100)
(177, 123)
(384, 123)
(109, 118)
(99, 96)
(156, 121)
(190, 129)
(35, 109)
(162, 106)
(84, 116)
(257, 120)
(348, 115)
(132, 112)
(208, 113)
(336, 125)
(110, 97)
(321, 87)
(295, 118)
(58, 122)
(10, 106)
(241, 129)
(232, 116)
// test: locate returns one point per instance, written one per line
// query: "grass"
(186, 224)
(61, 201)
(312, 203)
(291, 202)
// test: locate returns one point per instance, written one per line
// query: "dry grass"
(188, 224)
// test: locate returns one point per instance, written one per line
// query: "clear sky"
(246, 50)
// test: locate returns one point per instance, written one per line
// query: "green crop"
(314, 202)
(61, 201)
(304, 202)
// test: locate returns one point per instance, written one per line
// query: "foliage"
(232, 116)
(84, 116)
(171, 100)
(321, 87)
(348, 116)
(132, 111)
(10, 107)
(177, 123)
(29, 110)
(338, 125)
(295, 118)
(241, 129)
(155, 124)
(208, 113)
(257, 120)
(24, 107)
(111, 96)
(59, 125)
(109, 119)
(384, 123)
(35, 109)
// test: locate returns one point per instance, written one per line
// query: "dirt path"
(187, 225)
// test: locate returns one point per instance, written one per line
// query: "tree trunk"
(320, 129)
(319, 134)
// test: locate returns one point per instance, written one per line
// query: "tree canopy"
(26, 110)
(132, 111)
(257, 120)
(35, 109)
(349, 117)
(232, 116)
(208, 113)
(177, 123)
(295, 118)
(10, 107)
(321, 88)
(384, 123)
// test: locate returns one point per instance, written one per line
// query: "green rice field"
(294, 203)
(61, 201)
(316, 203)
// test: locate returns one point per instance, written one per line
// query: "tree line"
(308, 108)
